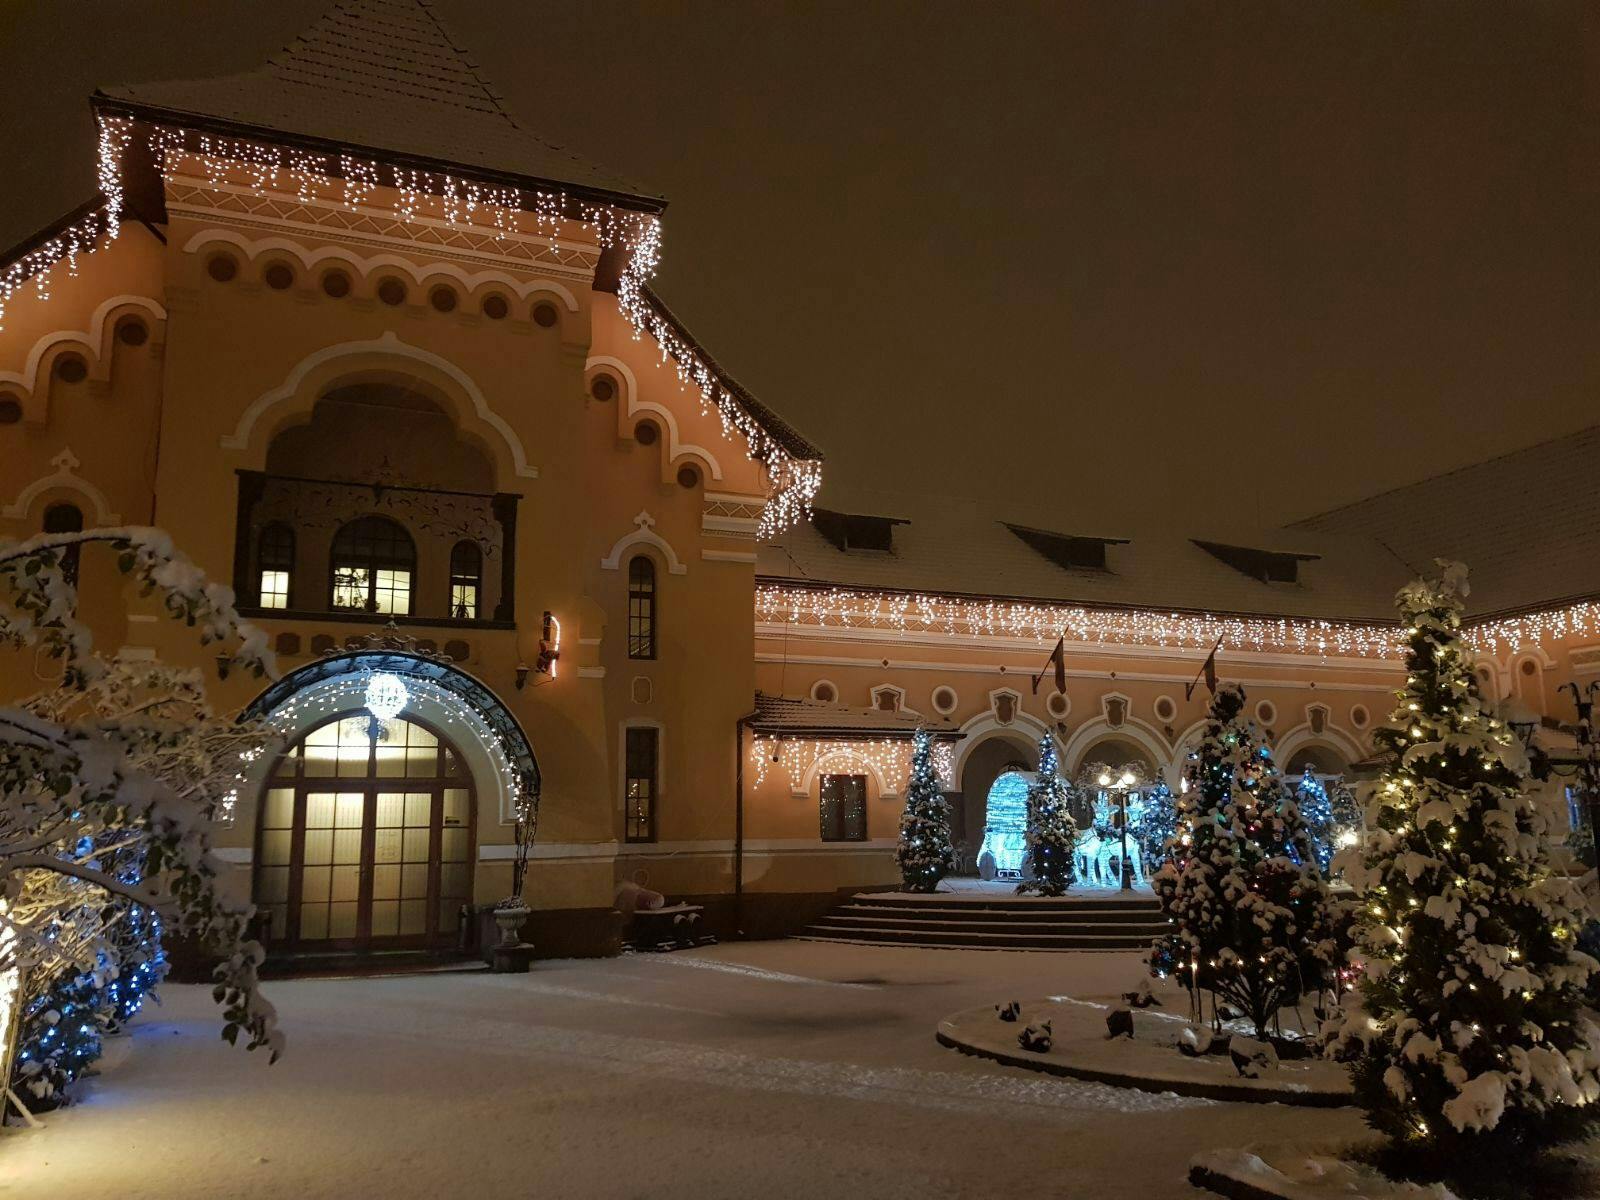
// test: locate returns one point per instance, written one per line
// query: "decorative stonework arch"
(1132, 729)
(365, 267)
(1302, 736)
(386, 346)
(676, 448)
(1022, 730)
(643, 534)
(64, 478)
(94, 341)
(827, 764)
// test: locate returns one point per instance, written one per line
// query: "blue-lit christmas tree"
(1052, 832)
(1158, 824)
(1316, 810)
(925, 853)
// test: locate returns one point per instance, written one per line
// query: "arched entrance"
(367, 827)
(985, 763)
(365, 837)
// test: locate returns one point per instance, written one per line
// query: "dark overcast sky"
(1215, 264)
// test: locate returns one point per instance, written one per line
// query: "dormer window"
(1269, 566)
(1067, 551)
(856, 531)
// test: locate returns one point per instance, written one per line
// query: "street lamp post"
(1121, 788)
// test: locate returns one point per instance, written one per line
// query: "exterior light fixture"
(386, 696)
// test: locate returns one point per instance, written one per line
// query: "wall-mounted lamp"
(549, 645)
(522, 674)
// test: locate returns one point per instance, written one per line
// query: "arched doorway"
(365, 837)
(984, 764)
(391, 748)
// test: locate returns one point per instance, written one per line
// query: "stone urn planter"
(511, 955)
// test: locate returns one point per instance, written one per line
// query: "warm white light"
(386, 696)
(1127, 779)
(1105, 779)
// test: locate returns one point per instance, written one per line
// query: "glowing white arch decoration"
(677, 448)
(390, 345)
(66, 478)
(644, 534)
(94, 339)
(310, 259)
(1132, 729)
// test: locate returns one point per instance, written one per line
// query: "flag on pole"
(1207, 669)
(1058, 657)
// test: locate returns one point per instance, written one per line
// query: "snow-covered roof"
(384, 77)
(791, 716)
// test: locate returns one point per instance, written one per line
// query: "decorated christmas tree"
(925, 854)
(1316, 809)
(1471, 1049)
(1051, 829)
(1158, 823)
(1247, 904)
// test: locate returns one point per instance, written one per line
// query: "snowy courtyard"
(768, 1069)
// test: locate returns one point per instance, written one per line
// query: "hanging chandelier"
(386, 696)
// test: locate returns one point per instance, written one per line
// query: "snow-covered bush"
(1471, 1048)
(1052, 832)
(1249, 908)
(109, 781)
(925, 854)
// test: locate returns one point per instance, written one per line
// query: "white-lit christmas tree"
(1248, 906)
(1051, 830)
(925, 853)
(1471, 1048)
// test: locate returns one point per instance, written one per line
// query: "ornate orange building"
(374, 352)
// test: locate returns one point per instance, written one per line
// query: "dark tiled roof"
(789, 715)
(1527, 523)
(381, 76)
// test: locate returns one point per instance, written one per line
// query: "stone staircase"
(963, 921)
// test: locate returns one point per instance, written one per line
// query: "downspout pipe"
(738, 824)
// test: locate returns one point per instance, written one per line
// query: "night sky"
(1102, 263)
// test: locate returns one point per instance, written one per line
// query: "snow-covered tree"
(109, 780)
(1471, 1048)
(1158, 823)
(1051, 829)
(1248, 906)
(925, 853)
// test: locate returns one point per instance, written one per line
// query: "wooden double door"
(365, 838)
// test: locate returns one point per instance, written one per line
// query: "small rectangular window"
(392, 591)
(641, 608)
(641, 755)
(844, 808)
(350, 586)
(464, 601)
(274, 589)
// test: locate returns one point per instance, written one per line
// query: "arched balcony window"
(374, 563)
(66, 518)
(466, 580)
(641, 608)
(274, 565)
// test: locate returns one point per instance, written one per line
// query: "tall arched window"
(274, 565)
(641, 608)
(466, 580)
(374, 561)
(66, 518)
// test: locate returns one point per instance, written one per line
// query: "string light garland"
(888, 758)
(957, 616)
(435, 199)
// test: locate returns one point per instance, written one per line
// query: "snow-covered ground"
(769, 1069)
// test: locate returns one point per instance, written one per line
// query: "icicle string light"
(888, 758)
(957, 616)
(428, 197)
(965, 617)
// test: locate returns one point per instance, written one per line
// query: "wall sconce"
(549, 645)
(522, 675)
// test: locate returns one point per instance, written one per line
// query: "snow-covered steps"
(964, 920)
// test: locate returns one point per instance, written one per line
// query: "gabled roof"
(791, 717)
(385, 78)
